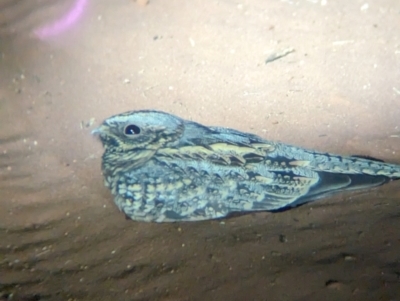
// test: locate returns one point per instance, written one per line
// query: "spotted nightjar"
(161, 168)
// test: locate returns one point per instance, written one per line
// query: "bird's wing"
(284, 175)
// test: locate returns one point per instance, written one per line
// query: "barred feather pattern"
(161, 168)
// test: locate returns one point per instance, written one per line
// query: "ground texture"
(66, 65)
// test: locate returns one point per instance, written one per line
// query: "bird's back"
(164, 168)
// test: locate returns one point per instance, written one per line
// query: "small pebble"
(282, 238)
(349, 258)
(333, 284)
(142, 2)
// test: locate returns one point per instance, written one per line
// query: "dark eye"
(132, 129)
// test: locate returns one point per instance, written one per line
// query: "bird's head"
(137, 130)
(131, 138)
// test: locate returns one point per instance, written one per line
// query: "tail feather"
(331, 183)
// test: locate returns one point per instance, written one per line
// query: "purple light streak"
(63, 23)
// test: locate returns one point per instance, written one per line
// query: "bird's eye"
(131, 130)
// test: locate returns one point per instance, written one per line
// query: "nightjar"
(161, 168)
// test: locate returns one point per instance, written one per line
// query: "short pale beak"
(96, 132)
(99, 130)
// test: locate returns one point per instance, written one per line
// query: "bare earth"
(61, 236)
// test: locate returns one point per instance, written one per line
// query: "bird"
(162, 168)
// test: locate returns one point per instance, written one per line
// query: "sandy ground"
(61, 236)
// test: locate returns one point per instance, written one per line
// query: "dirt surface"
(61, 236)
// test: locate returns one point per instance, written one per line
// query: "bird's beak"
(96, 132)
(99, 131)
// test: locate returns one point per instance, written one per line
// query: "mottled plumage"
(162, 168)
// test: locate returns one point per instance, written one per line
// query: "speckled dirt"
(61, 236)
